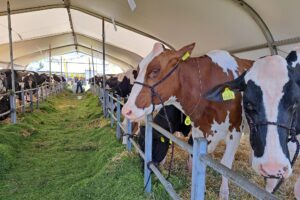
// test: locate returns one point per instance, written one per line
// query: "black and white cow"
(122, 83)
(160, 143)
(5, 80)
(43, 79)
(271, 94)
(27, 79)
(5, 86)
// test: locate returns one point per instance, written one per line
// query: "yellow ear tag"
(187, 121)
(162, 139)
(228, 94)
(185, 56)
(170, 142)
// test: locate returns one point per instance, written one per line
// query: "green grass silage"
(66, 150)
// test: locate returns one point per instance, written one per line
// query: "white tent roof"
(250, 28)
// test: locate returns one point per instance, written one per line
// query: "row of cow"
(209, 90)
(222, 94)
(22, 80)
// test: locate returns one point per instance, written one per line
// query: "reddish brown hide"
(193, 78)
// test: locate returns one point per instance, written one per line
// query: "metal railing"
(41, 93)
(199, 150)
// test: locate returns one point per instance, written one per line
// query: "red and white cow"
(271, 99)
(182, 82)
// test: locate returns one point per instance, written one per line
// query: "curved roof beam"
(71, 45)
(67, 4)
(271, 44)
(127, 57)
(260, 22)
(39, 8)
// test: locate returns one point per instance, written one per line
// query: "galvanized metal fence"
(199, 150)
(41, 93)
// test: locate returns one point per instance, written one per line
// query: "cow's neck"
(191, 88)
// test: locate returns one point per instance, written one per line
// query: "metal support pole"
(42, 93)
(199, 168)
(37, 98)
(23, 100)
(31, 100)
(50, 70)
(61, 66)
(92, 53)
(90, 72)
(13, 89)
(106, 103)
(67, 73)
(103, 57)
(148, 154)
(118, 131)
(111, 106)
(129, 127)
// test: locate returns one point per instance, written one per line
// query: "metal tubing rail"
(168, 186)
(4, 114)
(175, 139)
(114, 98)
(4, 94)
(239, 180)
(200, 161)
(54, 89)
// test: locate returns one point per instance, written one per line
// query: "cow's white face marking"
(225, 61)
(270, 74)
(139, 113)
(128, 74)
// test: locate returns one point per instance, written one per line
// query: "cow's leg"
(232, 143)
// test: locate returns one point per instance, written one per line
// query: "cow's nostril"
(129, 112)
(285, 168)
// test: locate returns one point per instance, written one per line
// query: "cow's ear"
(186, 49)
(227, 91)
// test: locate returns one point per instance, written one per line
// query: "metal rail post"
(61, 66)
(42, 93)
(118, 131)
(23, 100)
(106, 102)
(31, 100)
(148, 154)
(13, 89)
(111, 106)
(103, 60)
(199, 168)
(37, 98)
(129, 132)
(50, 70)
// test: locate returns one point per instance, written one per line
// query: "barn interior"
(120, 34)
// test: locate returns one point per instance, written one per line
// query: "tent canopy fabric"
(249, 28)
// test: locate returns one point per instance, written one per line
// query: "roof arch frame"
(70, 6)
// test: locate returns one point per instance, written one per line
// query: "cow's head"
(271, 91)
(153, 68)
(29, 81)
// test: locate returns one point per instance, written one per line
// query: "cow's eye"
(154, 73)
